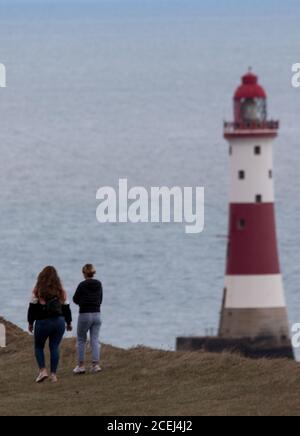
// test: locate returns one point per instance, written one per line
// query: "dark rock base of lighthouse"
(263, 347)
(254, 333)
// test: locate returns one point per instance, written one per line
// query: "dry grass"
(148, 382)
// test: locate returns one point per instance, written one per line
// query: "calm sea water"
(136, 90)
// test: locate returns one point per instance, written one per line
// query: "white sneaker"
(96, 369)
(43, 375)
(79, 370)
(54, 378)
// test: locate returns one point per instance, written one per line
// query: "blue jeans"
(52, 329)
(88, 322)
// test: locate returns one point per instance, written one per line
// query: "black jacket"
(89, 296)
(38, 312)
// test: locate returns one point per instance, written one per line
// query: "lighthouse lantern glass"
(253, 110)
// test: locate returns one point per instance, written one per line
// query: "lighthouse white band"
(254, 292)
(257, 168)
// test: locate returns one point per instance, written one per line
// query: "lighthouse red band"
(253, 304)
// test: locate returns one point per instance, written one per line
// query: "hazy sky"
(261, 8)
(222, 4)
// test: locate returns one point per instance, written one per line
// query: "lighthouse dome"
(250, 88)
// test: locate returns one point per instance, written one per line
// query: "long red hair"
(49, 286)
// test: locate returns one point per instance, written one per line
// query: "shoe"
(53, 378)
(42, 377)
(79, 370)
(96, 369)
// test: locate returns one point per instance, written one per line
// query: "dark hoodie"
(89, 296)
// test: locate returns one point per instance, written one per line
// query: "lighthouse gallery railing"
(230, 127)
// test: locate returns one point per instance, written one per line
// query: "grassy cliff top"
(147, 382)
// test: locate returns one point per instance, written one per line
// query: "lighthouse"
(254, 307)
(254, 318)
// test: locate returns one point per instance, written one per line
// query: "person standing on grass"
(48, 315)
(88, 297)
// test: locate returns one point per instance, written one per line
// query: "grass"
(147, 382)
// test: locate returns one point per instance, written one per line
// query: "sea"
(110, 89)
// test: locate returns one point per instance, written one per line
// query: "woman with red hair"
(48, 315)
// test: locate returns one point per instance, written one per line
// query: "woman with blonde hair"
(88, 297)
(48, 315)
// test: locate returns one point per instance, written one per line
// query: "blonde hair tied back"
(89, 270)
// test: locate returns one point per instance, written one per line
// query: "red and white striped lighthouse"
(254, 307)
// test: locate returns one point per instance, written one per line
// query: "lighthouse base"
(263, 347)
